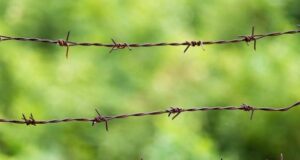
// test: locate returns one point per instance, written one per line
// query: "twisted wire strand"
(115, 45)
(175, 111)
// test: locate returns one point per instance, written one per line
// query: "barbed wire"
(175, 111)
(116, 45)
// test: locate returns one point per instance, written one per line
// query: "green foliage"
(36, 78)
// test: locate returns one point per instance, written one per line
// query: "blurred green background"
(37, 78)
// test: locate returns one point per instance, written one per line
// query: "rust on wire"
(30, 121)
(173, 110)
(65, 43)
(246, 107)
(118, 46)
(114, 45)
(250, 38)
(193, 44)
(99, 119)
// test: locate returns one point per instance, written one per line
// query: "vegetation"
(37, 78)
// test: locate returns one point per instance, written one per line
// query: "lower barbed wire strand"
(172, 110)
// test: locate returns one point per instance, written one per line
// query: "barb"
(30, 121)
(250, 38)
(114, 45)
(99, 119)
(119, 46)
(193, 44)
(173, 110)
(65, 43)
(246, 107)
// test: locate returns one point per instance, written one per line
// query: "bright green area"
(37, 78)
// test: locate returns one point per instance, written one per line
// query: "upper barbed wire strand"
(114, 45)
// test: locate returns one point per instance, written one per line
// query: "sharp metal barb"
(251, 116)
(253, 37)
(175, 111)
(23, 117)
(201, 44)
(30, 121)
(193, 44)
(114, 46)
(187, 47)
(119, 46)
(99, 119)
(67, 39)
(175, 115)
(60, 42)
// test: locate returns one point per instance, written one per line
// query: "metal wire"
(115, 45)
(175, 111)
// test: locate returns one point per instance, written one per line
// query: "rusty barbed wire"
(176, 111)
(115, 45)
